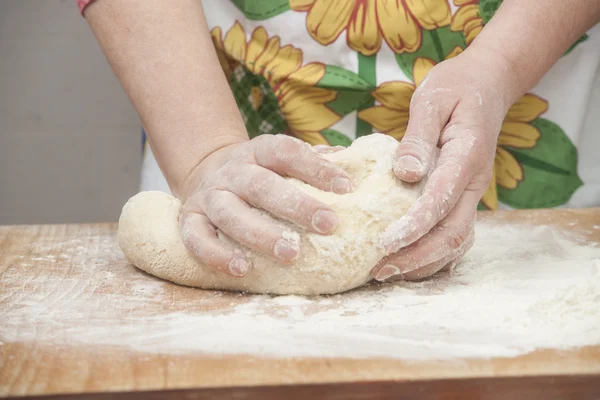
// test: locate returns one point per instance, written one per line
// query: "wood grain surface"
(528, 388)
(43, 267)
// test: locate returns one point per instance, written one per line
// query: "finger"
(392, 272)
(454, 235)
(326, 149)
(442, 190)
(433, 268)
(200, 238)
(446, 238)
(266, 190)
(292, 157)
(253, 229)
(415, 154)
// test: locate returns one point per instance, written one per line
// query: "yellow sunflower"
(301, 103)
(398, 22)
(391, 117)
(467, 19)
(517, 132)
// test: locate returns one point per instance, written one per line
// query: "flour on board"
(519, 289)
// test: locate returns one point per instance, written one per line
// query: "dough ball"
(150, 239)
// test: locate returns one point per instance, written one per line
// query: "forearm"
(532, 35)
(164, 57)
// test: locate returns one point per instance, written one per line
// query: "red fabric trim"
(82, 4)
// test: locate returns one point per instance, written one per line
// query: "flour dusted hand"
(459, 108)
(233, 183)
(149, 232)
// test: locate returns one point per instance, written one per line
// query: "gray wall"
(69, 139)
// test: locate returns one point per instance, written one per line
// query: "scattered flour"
(519, 289)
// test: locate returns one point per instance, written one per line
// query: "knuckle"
(456, 240)
(262, 140)
(487, 174)
(211, 260)
(189, 240)
(279, 151)
(305, 206)
(286, 145)
(415, 145)
(441, 205)
(325, 173)
(227, 170)
(296, 205)
(200, 251)
(240, 152)
(189, 236)
(478, 157)
(217, 209)
(235, 176)
(201, 248)
(481, 179)
(193, 205)
(211, 200)
(258, 185)
(226, 175)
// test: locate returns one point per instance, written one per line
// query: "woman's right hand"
(225, 190)
(157, 48)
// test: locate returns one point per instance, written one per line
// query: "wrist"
(501, 70)
(193, 175)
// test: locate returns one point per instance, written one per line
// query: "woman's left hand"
(458, 109)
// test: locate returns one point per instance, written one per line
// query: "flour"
(519, 289)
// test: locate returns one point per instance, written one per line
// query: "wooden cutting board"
(43, 269)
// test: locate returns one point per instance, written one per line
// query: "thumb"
(416, 152)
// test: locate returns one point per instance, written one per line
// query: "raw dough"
(150, 238)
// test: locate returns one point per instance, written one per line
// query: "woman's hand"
(228, 187)
(457, 112)
(460, 109)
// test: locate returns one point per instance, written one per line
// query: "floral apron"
(329, 71)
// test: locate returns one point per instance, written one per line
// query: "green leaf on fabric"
(349, 100)
(363, 128)
(353, 91)
(436, 45)
(481, 207)
(337, 78)
(487, 9)
(263, 9)
(267, 117)
(581, 39)
(367, 70)
(549, 168)
(336, 138)
(449, 40)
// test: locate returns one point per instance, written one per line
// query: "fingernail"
(238, 267)
(387, 272)
(324, 221)
(409, 164)
(341, 185)
(286, 251)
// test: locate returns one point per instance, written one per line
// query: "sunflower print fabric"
(329, 71)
